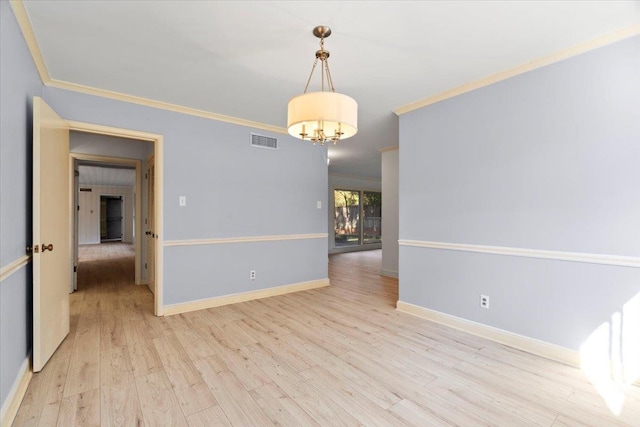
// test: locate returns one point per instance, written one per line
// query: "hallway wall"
(19, 83)
(233, 191)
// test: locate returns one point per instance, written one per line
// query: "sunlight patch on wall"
(631, 340)
(596, 364)
(610, 357)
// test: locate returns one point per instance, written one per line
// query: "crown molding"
(387, 149)
(162, 105)
(27, 32)
(529, 66)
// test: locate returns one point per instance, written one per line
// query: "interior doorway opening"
(107, 202)
(56, 189)
(120, 213)
(111, 219)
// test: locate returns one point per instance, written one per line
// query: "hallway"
(339, 355)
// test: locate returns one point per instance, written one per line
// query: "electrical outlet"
(252, 275)
(484, 301)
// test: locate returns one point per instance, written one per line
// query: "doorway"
(108, 205)
(111, 220)
(117, 225)
(54, 212)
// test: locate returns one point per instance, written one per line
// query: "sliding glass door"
(372, 214)
(357, 218)
(347, 218)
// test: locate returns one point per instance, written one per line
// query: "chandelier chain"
(311, 75)
(329, 79)
(325, 77)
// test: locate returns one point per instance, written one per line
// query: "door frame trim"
(157, 141)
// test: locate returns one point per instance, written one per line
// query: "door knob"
(48, 247)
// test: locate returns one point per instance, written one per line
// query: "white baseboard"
(520, 342)
(389, 273)
(12, 403)
(243, 297)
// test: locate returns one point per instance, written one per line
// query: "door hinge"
(145, 176)
(145, 220)
(78, 207)
(75, 268)
(145, 265)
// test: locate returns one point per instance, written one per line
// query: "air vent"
(262, 141)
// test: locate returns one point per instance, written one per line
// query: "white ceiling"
(106, 175)
(247, 58)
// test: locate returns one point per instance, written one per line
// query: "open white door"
(51, 232)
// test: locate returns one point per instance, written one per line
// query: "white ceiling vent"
(262, 141)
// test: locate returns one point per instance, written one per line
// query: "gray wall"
(19, 82)
(546, 160)
(390, 175)
(232, 190)
(112, 146)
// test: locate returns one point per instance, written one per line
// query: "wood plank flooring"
(336, 356)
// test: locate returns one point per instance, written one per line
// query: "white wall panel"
(390, 203)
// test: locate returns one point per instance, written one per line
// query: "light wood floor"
(104, 251)
(334, 356)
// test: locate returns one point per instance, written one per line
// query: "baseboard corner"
(389, 273)
(12, 403)
(202, 304)
(519, 342)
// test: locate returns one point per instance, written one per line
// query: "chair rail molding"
(247, 239)
(618, 260)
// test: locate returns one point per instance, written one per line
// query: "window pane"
(347, 218)
(372, 209)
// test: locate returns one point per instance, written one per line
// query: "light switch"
(183, 200)
(319, 204)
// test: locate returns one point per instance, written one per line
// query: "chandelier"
(322, 116)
